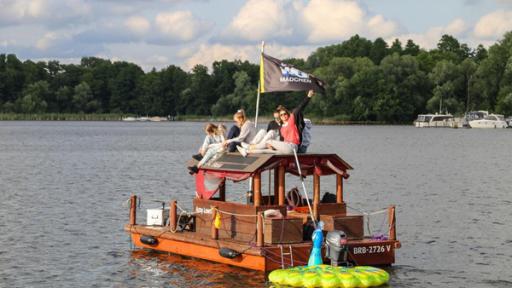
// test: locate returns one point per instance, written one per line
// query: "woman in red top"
(290, 134)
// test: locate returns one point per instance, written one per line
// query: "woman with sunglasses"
(292, 124)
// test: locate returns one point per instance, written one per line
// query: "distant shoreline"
(186, 118)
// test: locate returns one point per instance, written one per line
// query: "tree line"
(366, 81)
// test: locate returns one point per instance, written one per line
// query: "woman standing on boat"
(247, 129)
(292, 125)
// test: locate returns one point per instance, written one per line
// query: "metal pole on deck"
(259, 88)
(257, 102)
(304, 188)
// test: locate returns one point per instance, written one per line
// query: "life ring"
(326, 276)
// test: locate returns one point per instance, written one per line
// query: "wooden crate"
(282, 230)
(352, 225)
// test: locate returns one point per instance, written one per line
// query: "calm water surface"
(64, 187)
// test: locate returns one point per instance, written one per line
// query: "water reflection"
(163, 269)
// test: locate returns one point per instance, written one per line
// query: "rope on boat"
(368, 214)
(185, 211)
(235, 214)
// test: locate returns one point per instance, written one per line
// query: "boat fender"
(272, 213)
(148, 240)
(228, 253)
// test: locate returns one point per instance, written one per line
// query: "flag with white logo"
(277, 76)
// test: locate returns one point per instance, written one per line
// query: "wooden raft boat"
(252, 240)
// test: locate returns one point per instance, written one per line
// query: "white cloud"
(207, 54)
(314, 22)
(456, 27)
(46, 41)
(429, 39)
(47, 12)
(378, 26)
(330, 20)
(262, 19)
(16, 10)
(7, 43)
(180, 25)
(137, 24)
(494, 25)
(145, 55)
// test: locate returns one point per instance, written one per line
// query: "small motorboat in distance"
(509, 121)
(489, 121)
(435, 120)
(129, 119)
(474, 115)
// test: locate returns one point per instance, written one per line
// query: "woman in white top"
(212, 137)
(247, 129)
(213, 145)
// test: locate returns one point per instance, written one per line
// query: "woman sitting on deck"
(247, 129)
(290, 132)
(213, 144)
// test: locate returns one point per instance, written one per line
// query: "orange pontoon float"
(265, 233)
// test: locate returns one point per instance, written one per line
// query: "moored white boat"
(158, 119)
(489, 121)
(509, 121)
(129, 119)
(436, 120)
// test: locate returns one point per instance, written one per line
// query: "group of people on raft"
(283, 135)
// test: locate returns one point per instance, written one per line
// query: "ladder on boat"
(283, 253)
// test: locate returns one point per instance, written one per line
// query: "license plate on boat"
(373, 249)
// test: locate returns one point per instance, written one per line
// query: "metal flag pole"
(259, 88)
(257, 102)
(304, 188)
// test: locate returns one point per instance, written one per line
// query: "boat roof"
(234, 164)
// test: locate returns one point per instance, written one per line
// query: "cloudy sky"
(158, 33)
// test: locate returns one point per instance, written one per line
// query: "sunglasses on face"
(282, 114)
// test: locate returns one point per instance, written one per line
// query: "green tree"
(152, 98)
(480, 53)
(449, 87)
(356, 46)
(411, 48)
(34, 72)
(198, 98)
(124, 88)
(405, 88)
(243, 96)
(491, 76)
(98, 73)
(378, 51)
(33, 97)
(173, 82)
(449, 49)
(504, 97)
(12, 76)
(396, 47)
(64, 97)
(468, 68)
(83, 100)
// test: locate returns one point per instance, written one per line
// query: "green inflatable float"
(326, 276)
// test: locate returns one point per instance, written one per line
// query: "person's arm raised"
(304, 102)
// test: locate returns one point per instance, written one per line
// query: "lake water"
(64, 187)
